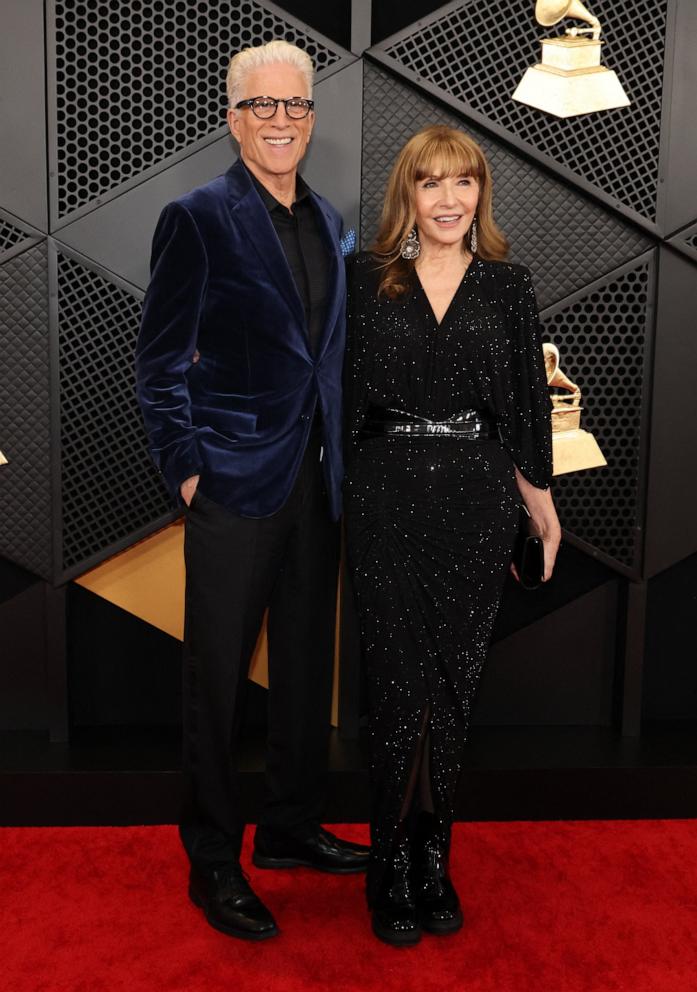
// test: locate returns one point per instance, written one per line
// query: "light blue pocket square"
(348, 242)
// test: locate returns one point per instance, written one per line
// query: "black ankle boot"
(395, 916)
(437, 901)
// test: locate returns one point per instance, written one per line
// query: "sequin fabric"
(431, 521)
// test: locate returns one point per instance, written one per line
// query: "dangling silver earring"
(473, 236)
(411, 248)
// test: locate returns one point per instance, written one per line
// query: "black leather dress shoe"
(230, 905)
(395, 915)
(436, 898)
(321, 850)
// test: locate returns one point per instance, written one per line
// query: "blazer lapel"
(253, 217)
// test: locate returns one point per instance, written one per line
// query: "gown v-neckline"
(458, 289)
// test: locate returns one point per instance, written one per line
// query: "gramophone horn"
(551, 356)
(561, 381)
(555, 376)
(548, 12)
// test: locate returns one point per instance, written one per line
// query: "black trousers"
(235, 568)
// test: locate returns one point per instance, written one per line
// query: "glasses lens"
(297, 108)
(264, 108)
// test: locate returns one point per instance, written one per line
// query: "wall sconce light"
(570, 79)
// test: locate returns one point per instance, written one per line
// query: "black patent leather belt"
(470, 425)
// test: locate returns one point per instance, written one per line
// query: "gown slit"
(415, 786)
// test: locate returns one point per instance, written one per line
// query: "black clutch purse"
(528, 553)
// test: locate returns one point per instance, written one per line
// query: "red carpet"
(554, 907)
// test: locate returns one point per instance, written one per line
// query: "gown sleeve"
(355, 386)
(526, 427)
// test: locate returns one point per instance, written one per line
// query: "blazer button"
(304, 416)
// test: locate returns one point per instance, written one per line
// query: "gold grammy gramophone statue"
(573, 449)
(570, 79)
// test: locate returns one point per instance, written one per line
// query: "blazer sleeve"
(167, 341)
(527, 425)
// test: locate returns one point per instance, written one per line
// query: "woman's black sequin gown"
(431, 521)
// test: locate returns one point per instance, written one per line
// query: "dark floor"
(123, 775)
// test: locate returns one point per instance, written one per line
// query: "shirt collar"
(302, 191)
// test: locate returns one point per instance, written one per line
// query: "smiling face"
(445, 207)
(272, 147)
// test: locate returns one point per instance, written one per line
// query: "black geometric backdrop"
(476, 52)
(605, 336)
(108, 481)
(25, 417)
(137, 82)
(10, 235)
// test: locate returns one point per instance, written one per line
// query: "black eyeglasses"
(265, 107)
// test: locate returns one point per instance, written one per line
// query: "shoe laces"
(232, 875)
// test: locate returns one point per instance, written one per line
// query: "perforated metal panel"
(686, 241)
(137, 82)
(477, 52)
(14, 238)
(110, 488)
(603, 338)
(25, 490)
(566, 239)
(9, 235)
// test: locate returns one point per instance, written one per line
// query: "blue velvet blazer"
(241, 415)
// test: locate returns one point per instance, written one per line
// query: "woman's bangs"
(448, 158)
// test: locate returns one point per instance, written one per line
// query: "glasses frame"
(272, 99)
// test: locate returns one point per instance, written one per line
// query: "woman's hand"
(544, 522)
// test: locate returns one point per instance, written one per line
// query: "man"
(238, 369)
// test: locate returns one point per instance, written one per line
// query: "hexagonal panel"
(604, 338)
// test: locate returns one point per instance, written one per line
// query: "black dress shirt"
(299, 232)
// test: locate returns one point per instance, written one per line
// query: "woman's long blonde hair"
(436, 150)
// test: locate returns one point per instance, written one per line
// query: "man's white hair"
(272, 53)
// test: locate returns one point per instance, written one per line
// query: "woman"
(449, 421)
